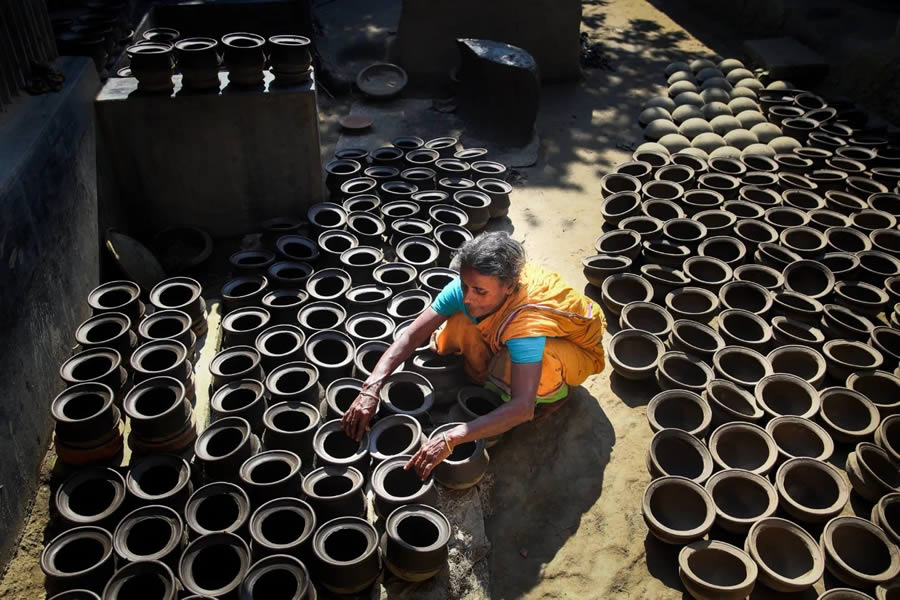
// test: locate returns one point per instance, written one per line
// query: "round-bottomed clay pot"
(282, 526)
(677, 510)
(634, 353)
(716, 570)
(742, 366)
(872, 473)
(810, 490)
(679, 409)
(799, 437)
(790, 332)
(742, 498)
(782, 394)
(676, 452)
(693, 303)
(678, 370)
(859, 553)
(695, 339)
(810, 278)
(881, 387)
(729, 403)
(848, 416)
(845, 357)
(804, 362)
(743, 328)
(393, 486)
(214, 564)
(887, 436)
(788, 557)
(348, 557)
(415, 542)
(619, 290)
(334, 492)
(761, 275)
(743, 446)
(646, 316)
(747, 296)
(886, 514)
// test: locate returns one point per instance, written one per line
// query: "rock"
(499, 89)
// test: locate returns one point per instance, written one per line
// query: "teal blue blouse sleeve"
(450, 300)
(526, 349)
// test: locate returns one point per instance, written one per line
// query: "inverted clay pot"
(677, 510)
(810, 490)
(871, 471)
(743, 446)
(347, 553)
(859, 553)
(845, 357)
(679, 409)
(282, 526)
(80, 558)
(335, 491)
(677, 370)
(676, 452)
(713, 569)
(741, 498)
(788, 557)
(634, 353)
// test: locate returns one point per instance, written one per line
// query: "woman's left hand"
(430, 455)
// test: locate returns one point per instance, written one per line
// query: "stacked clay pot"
(272, 486)
(750, 256)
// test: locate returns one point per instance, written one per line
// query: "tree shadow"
(546, 476)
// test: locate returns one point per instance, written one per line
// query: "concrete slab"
(223, 160)
(786, 58)
(412, 116)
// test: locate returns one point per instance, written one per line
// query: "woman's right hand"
(356, 420)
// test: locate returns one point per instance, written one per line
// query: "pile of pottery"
(246, 55)
(756, 280)
(93, 28)
(272, 492)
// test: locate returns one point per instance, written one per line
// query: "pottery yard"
(420, 299)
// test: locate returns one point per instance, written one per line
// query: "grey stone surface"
(48, 264)
(223, 160)
(548, 29)
(787, 58)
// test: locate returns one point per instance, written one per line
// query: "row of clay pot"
(198, 60)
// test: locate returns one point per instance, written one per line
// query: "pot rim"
(750, 566)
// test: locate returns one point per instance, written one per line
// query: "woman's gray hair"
(494, 254)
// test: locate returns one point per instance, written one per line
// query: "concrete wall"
(548, 29)
(48, 264)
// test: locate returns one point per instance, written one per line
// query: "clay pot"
(422, 178)
(415, 542)
(886, 436)
(465, 466)
(663, 280)
(842, 264)
(697, 201)
(844, 357)
(447, 214)
(788, 557)
(747, 297)
(198, 62)
(871, 472)
(763, 276)
(360, 261)
(662, 210)
(753, 233)
(885, 515)
(783, 394)
(875, 267)
(244, 291)
(742, 366)
(847, 239)
(223, 447)
(387, 156)
(679, 409)
(394, 486)
(347, 555)
(394, 435)
(444, 146)
(880, 387)
(848, 416)
(118, 296)
(161, 479)
(646, 316)
(619, 242)
(790, 332)
(743, 328)
(160, 415)
(859, 553)
(331, 353)
(110, 330)
(887, 202)
(686, 232)
(473, 402)
(290, 58)
(396, 276)
(409, 304)
(334, 491)
(321, 316)
(802, 361)
(712, 569)
(367, 357)
(743, 446)
(768, 199)
(245, 58)
(741, 499)
(775, 256)
(166, 325)
(291, 425)
(798, 307)
(286, 573)
(885, 240)
(742, 209)
(152, 64)
(147, 578)
(810, 490)
(823, 219)
(372, 297)
(725, 249)
(799, 437)
(96, 365)
(692, 303)
(251, 262)
(679, 370)
(289, 226)
(614, 183)
(406, 393)
(597, 268)
(727, 185)
(420, 252)
(695, 339)
(805, 241)
(435, 279)
(86, 420)
(150, 533)
(214, 565)
(634, 353)
(271, 474)
(283, 526)
(476, 205)
(218, 507)
(619, 290)
(442, 371)
(619, 206)
(706, 272)
(664, 253)
(729, 403)
(280, 344)
(450, 238)
(339, 395)
(333, 447)
(368, 326)
(717, 222)
(677, 510)
(242, 325)
(785, 217)
(80, 558)
(91, 496)
(234, 364)
(332, 243)
(640, 170)
(860, 296)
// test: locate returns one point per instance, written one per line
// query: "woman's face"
(482, 294)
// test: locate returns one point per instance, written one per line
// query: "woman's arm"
(520, 408)
(356, 419)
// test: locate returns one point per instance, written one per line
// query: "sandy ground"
(564, 519)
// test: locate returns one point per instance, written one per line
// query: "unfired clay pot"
(789, 558)
(742, 498)
(676, 452)
(743, 446)
(677, 510)
(716, 570)
(810, 490)
(859, 553)
(680, 409)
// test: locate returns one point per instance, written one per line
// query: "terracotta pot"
(717, 222)
(152, 64)
(782, 394)
(415, 542)
(887, 436)
(234, 364)
(150, 578)
(163, 479)
(712, 569)
(289, 571)
(165, 325)
(871, 472)
(797, 306)
(743, 446)
(465, 467)
(198, 62)
(291, 425)
(885, 515)
(151, 533)
(409, 304)
(677, 453)
(680, 410)
(394, 486)
(634, 353)
(619, 290)
(223, 447)
(160, 413)
(242, 325)
(725, 249)
(662, 209)
(810, 490)
(80, 558)
(283, 526)
(244, 291)
(695, 339)
(347, 553)
(91, 496)
(859, 553)
(789, 558)
(677, 510)
(799, 437)
(215, 565)
(803, 199)
(729, 403)
(848, 416)
(218, 507)
(680, 370)
(761, 275)
(333, 447)
(880, 387)
(646, 316)
(692, 303)
(663, 279)
(741, 498)
(844, 357)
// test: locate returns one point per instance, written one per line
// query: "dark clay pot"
(283, 526)
(147, 578)
(92, 496)
(218, 507)
(150, 533)
(118, 296)
(279, 574)
(110, 330)
(80, 558)
(333, 447)
(151, 65)
(159, 411)
(198, 62)
(280, 344)
(332, 244)
(223, 447)
(245, 58)
(295, 381)
(215, 565)
(168, 325)
(290, 58)
(271, 474)
(244, 291)
(465, 466)
(234, 364)
(321, 315)
(335, 491)
(332, 353)
(85, 415)
(160, 479)
(348, 558)
(394, 486)
(290, 426)
(415, 542)
(97, 365)
(397, 275)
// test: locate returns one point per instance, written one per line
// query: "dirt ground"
(564, 520)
